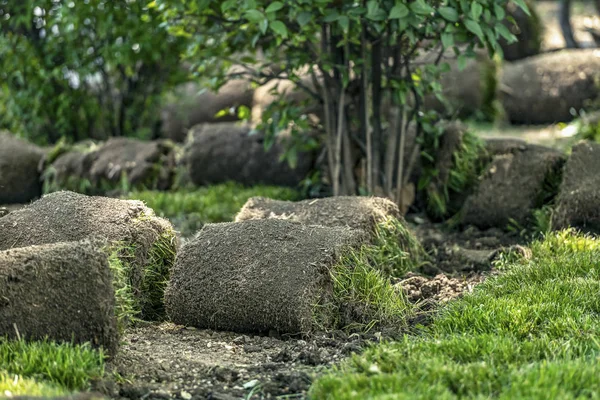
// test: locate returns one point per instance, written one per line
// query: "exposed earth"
(164, 360)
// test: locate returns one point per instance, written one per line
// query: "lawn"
(44, 368)
(531, 332)
(190, 209)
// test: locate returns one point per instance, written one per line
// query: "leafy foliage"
(355, 59)
(83, 69)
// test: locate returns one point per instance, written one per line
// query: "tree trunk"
(565, 24)
(376, 93)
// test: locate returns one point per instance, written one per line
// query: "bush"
(97, 69)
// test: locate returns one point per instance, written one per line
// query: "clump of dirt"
(511, 187)
(438, 289)
(543, 89)
(68, 216)
(19, 177)
(577, 201)
(464, 251)
(98, 169)
(221, 152)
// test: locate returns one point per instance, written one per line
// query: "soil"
(168, 361)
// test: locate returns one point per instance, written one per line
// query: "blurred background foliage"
(93, 69)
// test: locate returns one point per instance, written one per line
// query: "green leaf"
(372, 7)
(499, 11)
(226, 5)
(274, 6)
(474, 27)
(503, 31)
(263, 25)
(448, 13)
(279, 28)
(421, 8)
(344, 23)
(447, 40)
(332, 15)
(523, 5)
(243, 112)
(476, 10)
(254, 15)
(304, 18)
(399, 11)
(462, 62)
(222, 113)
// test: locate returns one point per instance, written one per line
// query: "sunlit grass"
(531, 332)
(190, 209)
(48, 366)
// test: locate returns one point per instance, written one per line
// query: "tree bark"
(377, 147)
(565, 24)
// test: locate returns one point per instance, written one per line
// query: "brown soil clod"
(438, 289)
(101, 168)
(62, 291)
(545, 88)
(256, 276)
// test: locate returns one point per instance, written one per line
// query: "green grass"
(467, 165)
(190, 209)
(363, 297)
(120, 263)
(146, 299)
(47, 366)
(157, 273)
(395, 250)
(532, 332)
(12, 385)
